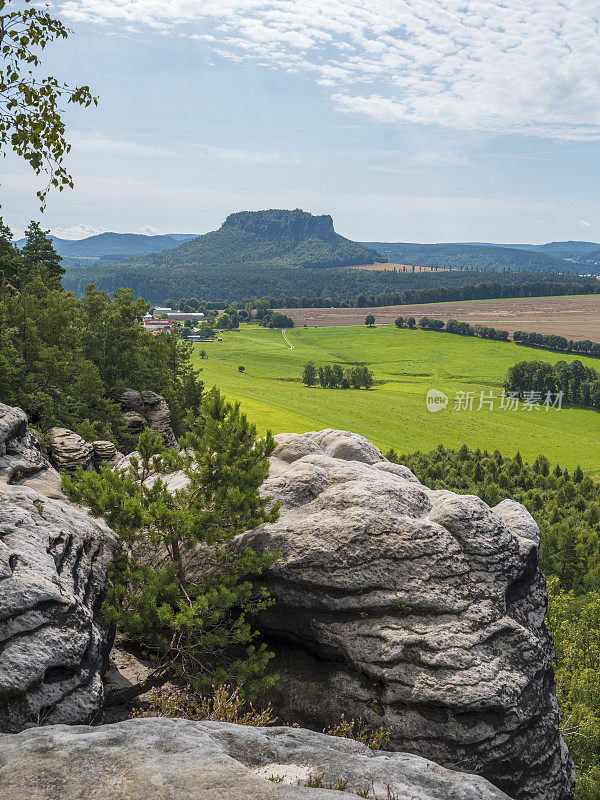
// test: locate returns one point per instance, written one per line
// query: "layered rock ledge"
(156, 759)
(419, 610)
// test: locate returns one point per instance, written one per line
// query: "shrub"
(360, 731)
(225, 705)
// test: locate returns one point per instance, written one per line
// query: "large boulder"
(53, 561)
(68, 451)
(146, 410)
(419, 610)
(156, 759)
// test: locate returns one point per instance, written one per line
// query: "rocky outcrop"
(53, 560)
(105, 451)
(146, 410)
(68, 451)
(20, 453)
(416, 609)
(155, 759)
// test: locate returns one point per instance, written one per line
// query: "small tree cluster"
(336, 377)
(454, 326)
(579, 384)
(400, 322)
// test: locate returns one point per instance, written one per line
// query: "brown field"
(576, 317)
(397, 267)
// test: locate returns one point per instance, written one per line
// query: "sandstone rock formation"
(146, 410)
(105, 451)
(155, 759)
(68, 451)
(53, 560)
(419, 610)
(20, 453)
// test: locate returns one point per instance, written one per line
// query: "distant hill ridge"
(116, 244)
(477, 256)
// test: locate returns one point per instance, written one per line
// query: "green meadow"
(406, 364)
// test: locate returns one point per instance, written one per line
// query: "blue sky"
(429, 120)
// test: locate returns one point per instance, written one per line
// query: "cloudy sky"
(410, 120)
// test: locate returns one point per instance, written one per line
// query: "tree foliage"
(580, 385)
(32, 107)
(574, 623)
(61, 357)
(334, 376)
(178, 589)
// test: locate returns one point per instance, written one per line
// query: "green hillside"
(393, 414)
(476, 256)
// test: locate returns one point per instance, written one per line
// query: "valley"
(393, 414)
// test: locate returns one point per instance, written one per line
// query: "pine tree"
(39, 256)
(10, 258)
(178, 589)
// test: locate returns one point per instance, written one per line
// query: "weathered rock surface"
(419, 610)
(105, 451)
(146, 410)
(68, 451)
(167, 759)
(20, 453)
(53, 560)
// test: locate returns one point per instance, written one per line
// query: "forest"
(477, 256)
(580, 385)
(60, 356)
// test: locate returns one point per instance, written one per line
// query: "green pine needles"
(178, 588)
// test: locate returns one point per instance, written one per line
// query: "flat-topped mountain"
(250, 248)
(272, 238)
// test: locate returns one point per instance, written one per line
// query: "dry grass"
(576, 317)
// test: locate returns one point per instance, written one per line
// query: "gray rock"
(53, 560)
(418, 610)
(167, 759)
(128, 677)
(146, 410)
(53, 644)
(20, 453)
(68, 451)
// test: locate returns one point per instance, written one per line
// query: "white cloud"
(98, 144)
(78, 231)
(510, 66)
(585, 224)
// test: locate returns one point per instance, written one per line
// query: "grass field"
(393, 413)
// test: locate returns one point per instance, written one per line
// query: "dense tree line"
(567, 510)
(336, 377)
(225, 281)
(580, 385)
(454, 326)
(60, 356)
(554, 342)
(505, 285)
